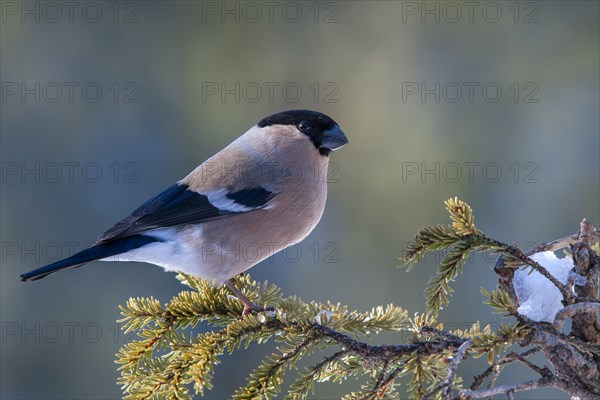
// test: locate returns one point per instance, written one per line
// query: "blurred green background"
(105, 104)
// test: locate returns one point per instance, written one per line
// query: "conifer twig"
(446, 386)
(505, 389)
(573, 309)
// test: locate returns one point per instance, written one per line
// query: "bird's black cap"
(323, 131)
(295, 117)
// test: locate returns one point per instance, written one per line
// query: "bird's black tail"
(96, 252)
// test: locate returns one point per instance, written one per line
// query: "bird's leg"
(249, 306)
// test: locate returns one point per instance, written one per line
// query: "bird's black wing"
(178, 205)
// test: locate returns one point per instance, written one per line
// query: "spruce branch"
(506, 389)
(463, 221)
(446, 386)
(300, 388)
(497, 366)
(301, 327)
(577, 346)
(462, 237)
(574, 309)
(170, 359)
(587, 234)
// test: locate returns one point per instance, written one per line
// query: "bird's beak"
(333, 138)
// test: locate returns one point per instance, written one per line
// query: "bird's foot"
(249, 306)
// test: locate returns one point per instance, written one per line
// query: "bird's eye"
(304, 127)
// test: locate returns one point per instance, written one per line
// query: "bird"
(263, 192)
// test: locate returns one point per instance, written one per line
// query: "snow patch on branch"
(539, 299)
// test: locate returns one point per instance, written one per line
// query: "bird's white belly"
(175, 252)
(187, 251)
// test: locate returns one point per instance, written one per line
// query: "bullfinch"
(260, 194)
